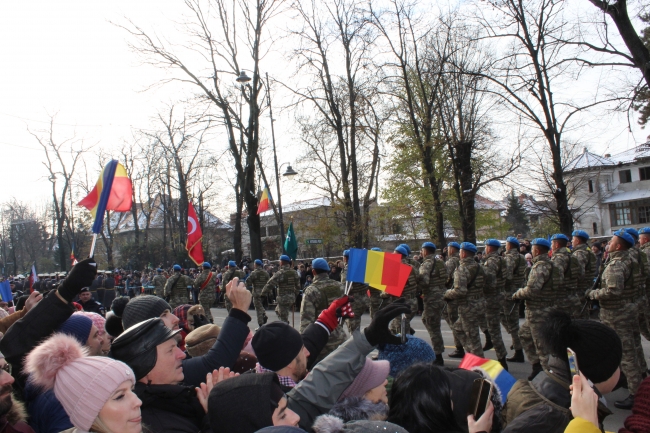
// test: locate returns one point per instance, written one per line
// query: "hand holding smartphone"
(479, 398)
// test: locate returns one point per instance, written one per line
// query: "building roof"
(638, 194)
(588, 160)
(301, 205)
(484, 203)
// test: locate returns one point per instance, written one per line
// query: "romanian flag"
(263, 206)
(503, 380)
(113, 191)
(383, 271)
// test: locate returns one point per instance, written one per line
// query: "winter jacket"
(14, 420)
(46, 415)
(350, 409)
(579, 425)
(6, 322)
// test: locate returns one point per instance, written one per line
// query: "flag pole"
(92, 246)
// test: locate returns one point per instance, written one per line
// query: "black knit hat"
(143, 308)
(597, 346)
(276, 344)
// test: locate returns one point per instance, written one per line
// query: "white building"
(611, 191)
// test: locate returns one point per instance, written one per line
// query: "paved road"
(519, 370)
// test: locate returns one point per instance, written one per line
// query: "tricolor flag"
(73, 258)
(383, 271)
(263, 205)
(113, 191)
(33, 277)
(503, 380)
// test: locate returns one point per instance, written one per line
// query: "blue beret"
(541, 242)
(232, 264)
(645, 231)
(400, 249)
(512, 240)
(580, 234)
(560, 236)
(429, 245)
(468, 246)
(346, 253)
(406, 247)
(285, 258)
(177, 267)
(375, 249)
(492, 243)
(454, 245)
(207, 265)
(159, 270)
(259, 262)
(320, 264)
(625, 236)
(633, 232)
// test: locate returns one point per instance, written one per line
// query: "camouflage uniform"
(225, 279)
(587, 261)
(208, 295)
(287, 282)
(255, 283)
(494, 268)
(540, 296)
(158, 282)
(514, 276)
(568, 299)
(433, 276)
(375, 301)
(410, 294)
(316, 298)
(640, 260)
(451, 313)
(619, 311)
(361, 302)
(468, 292)
(645, 249)
(176, 289)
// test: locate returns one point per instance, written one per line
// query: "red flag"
(397, 289)
(194, 246)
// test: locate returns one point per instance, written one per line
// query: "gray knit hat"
(142, 308)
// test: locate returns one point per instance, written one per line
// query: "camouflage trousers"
(283, 307)
(644, 316)
(451, 316)
(570, 304)
(375, 301)
(359, 306)
(227, 303)
(396, 324)
(431, 316)
(530, 333)
(493, 308)
(510, 319)
(625, 321)
(177, 299)
(467, 325)
(259, 308)
(206, 299)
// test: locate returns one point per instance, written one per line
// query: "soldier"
(358, 292)
(232, 272)
(287, 282)
(644, 246)
(540, 299)
(255, 283)
(618, 308)
(410, 292)
(206, 283)
(568, 299)
(375, 294)
(587, 260)
(451, 312)
(433, 276)
(515, 268)
(317, 297)
(468, 293)
(494, 268)
(410, 261)
(176, 288)
(158, 283)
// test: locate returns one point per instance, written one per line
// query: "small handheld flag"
(383, 271)
(194, 244)
(503, 380)
(263, 205)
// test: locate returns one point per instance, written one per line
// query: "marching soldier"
(358, 292)
(255, 283)
(540, 297)
(587, 261)
(206, 282)
(176, 288)
(375, 294)
(494, 268)
(159, 283)
(644, 246)
(515, 268)
(468, 293)
(568, 299)
(232, 272)
(316, 298)
(618, 308)
(287, 282)
(451, 312)
(433, 276)
(409, 260)
(409, 293)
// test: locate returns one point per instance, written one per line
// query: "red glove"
(339, 308)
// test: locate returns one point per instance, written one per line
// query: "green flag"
(291, 243)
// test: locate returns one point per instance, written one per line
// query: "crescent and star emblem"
(193, 222)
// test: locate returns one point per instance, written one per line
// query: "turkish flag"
(194, 246)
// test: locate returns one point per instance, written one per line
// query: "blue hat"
(207, 265)
(401, 356)
(429, 245)
(633, 232)
(406, 247)
(375, 249)
(645, 231)
(454, 245)
(492, 243)
(400, 249)
(177, 267)
(580, 234)
(285, 258)
(232, 264)
(512, 240)
(159, 270)
(468, 246)
(320, 264)
(259, 262)
(346, 253)
(560, 236)
(625, 236)
(541, 242)
(77, 326)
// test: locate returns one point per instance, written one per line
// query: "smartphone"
(402, 329)
(479, 398)
(573, 361)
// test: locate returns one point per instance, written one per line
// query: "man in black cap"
(89, 304)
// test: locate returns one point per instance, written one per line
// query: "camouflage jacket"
(179, 284)
(451, 264)
(357, 288)
(433, 275)
(414, 263)
(257, 280)
(640, 258)
(539, 290)
(515, 269)
(286, 280)
(616, 281)
(468, 279)
(571, 271)
(495, 270)
(413, 282)
(200, 280)
(229, 275)
(646, 249)
(317, 297)
(159, 283)
(587, 261)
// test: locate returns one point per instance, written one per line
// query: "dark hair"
(420, 400)
(562, 242)
(320, 271)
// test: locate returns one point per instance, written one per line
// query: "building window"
(644, 173)
(591, 185)
(625, 176)
(644, 214)
(620, 213)
(272, 230)
(595, 227)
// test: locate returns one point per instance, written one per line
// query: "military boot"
(458, 353)
(439, 361)
(517, 357)
(488, 342)
(503, 363)
(537, 368)
(625, 404)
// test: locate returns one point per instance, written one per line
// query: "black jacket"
(93, 306)
(171, 409)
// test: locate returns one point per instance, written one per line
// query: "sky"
(66, 58)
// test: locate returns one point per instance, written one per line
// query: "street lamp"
(290, 172)
(243, 78)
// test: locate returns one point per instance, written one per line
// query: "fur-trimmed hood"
(17, 413)
(347, 410)
(332, 424)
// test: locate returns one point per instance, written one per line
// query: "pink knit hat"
(373, 374)
(97, 319)
(82, 383)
